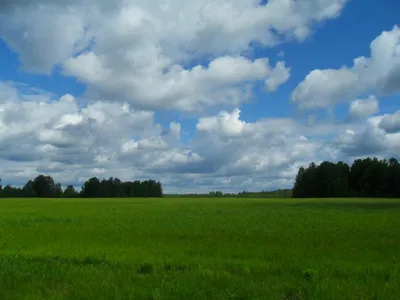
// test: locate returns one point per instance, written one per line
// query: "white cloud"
(391, 122)
(139, 51)
(379, 72)
(225, 124)
(135, 56)
(266, 148)
(73, 143)
(40, 46)
(175, 129)
(104, 139)
(362, 108)
(279, 75)
(369, 140)
(182, 89)
(45, 132)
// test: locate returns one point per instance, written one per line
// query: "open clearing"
(212, 248)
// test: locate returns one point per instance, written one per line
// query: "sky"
(226, 95)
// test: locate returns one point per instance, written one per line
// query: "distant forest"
(285, 193)
(367, 177)
(45, 187)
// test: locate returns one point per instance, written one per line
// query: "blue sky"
(227, 95)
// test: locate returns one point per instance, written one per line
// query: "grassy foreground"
(199, 249)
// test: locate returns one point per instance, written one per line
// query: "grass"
(199, 249)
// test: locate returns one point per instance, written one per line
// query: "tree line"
(45, 187)
(367, 177)
(281, 193)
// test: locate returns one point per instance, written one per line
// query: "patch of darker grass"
(237, 270)
(76, 261)
(310, 275)
(178, 268)
(145, 269)
(295, 293)
(347, 205)
(84, 261)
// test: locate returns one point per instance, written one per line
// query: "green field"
(211, 248)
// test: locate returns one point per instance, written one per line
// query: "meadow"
(199, 248)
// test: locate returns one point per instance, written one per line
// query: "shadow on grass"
(144, 268)
(340, 204)
(51, 260)
(37, 264)
(329, 203)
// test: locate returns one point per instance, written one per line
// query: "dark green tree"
(367, 177)
(70, 192)
(91, 188)
(29, 190)
(44, 186)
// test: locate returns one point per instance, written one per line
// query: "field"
(212, 248)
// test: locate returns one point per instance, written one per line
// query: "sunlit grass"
(199, 249)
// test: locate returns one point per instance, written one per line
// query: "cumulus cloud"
(390, 123)
(137, 58)
(379, 72)
(40, 46)
(362, 108)
(144, 53)
(186, 90)
(77, 140)
(225, 124)
(72, 142)
(269, 147)
(370, 140)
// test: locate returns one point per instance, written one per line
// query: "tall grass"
(225, 248)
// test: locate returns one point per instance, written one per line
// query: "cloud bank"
(139, 59)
